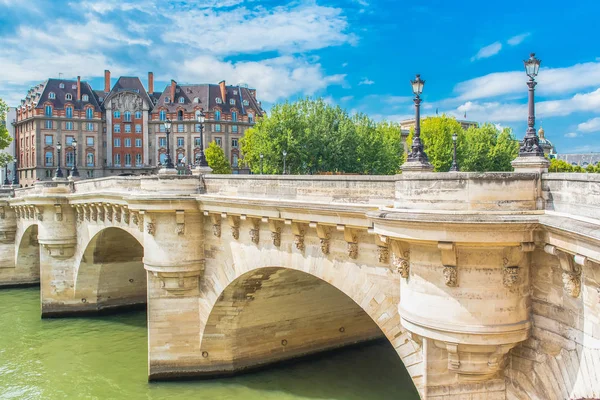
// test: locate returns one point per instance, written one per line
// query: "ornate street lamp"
(417, 158)
(261, 163)
(74, 171)
(6, 181)
(200, 117)
(168, 161)
(454, 167)
(16, 171)
(284, 157)
(58, 173)
(531, 144)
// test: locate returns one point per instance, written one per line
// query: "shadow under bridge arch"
(273, 314)
(111, 272)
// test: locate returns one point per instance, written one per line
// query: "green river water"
(106, 358)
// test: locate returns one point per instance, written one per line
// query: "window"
(161, 128)
(198, 128)
(48, 111)
(49, 158)
(245, 102)
(68, 96)
(138, 128)
(138, 115)
(234, 143)
(234, 162)
(89, 113)
(234, 128)
(117, 160)
(127, 116)
(218, 100)
(90, 126)
(162, 142)
(117, 128)
(234, 91)
(73, 86)
(117, 114)
(138, 160)
(127, 128)
(69, 112)
(127, 142)
(180, 128)
(70, 156)
(217, 127)
(69, 125)
(250, 118)
(180, 142)
(162, 158)
(90, 141)
(218, 141)
(128, 160)
(85, 98)
(90, 159)
(48, 124)
(163, 115)
(232, 102)
(138, 142)
(217, 115)
(51, 95)
(196, 100)
(179, 115)
(117, 142)
(197, 141)
(234, 116)
(49, 140)
(166, 100)
(181, 100)
(62, 85)
(69, 140)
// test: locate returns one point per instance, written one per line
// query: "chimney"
(173, 86)
(150, 82)
(223, 91)
(106, 81)
(78, 88)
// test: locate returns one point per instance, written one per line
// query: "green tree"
(5, 139)
(216, 159)
(319, 137)
(436, 136)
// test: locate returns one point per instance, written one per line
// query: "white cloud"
(518, 39)
(245, 31)
(366, 81)
(592, 125)
(275, 79)
(571, 134)
(551, 81)
(487, 51)
(346, 98)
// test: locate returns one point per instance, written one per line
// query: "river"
(106, 358)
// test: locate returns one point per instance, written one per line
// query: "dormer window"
(73, 86)
(181, 100)
(85, 98)
(218, 100)
(62, 86)
(245, 102)
(232, 102)
(196, 100)
(235, 92)
(166, 100)
(51, 95)
(68, 96)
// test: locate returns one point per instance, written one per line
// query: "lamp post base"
(201, 170)
(416, 166)
(530, 164)
(167, 171)
(59, 179)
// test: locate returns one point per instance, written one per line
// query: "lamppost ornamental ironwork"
(58, 173)
(168, 161)
(200, 117)
(417, 154)
(284, 157)
(531, 144)
(6, 181)
(16, 171)
(74, 171)
(454, 167)
(261, 163)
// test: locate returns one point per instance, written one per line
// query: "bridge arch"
(257, 314)
(27, 256)
(111, 273)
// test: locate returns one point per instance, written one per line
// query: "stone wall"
(574, 194)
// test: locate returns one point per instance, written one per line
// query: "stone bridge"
(486, 285)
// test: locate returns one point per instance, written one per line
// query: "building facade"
(120, 129)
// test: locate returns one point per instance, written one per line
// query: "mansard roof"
(69, 86)
(130, 84)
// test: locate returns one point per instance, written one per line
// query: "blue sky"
(359, 54)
